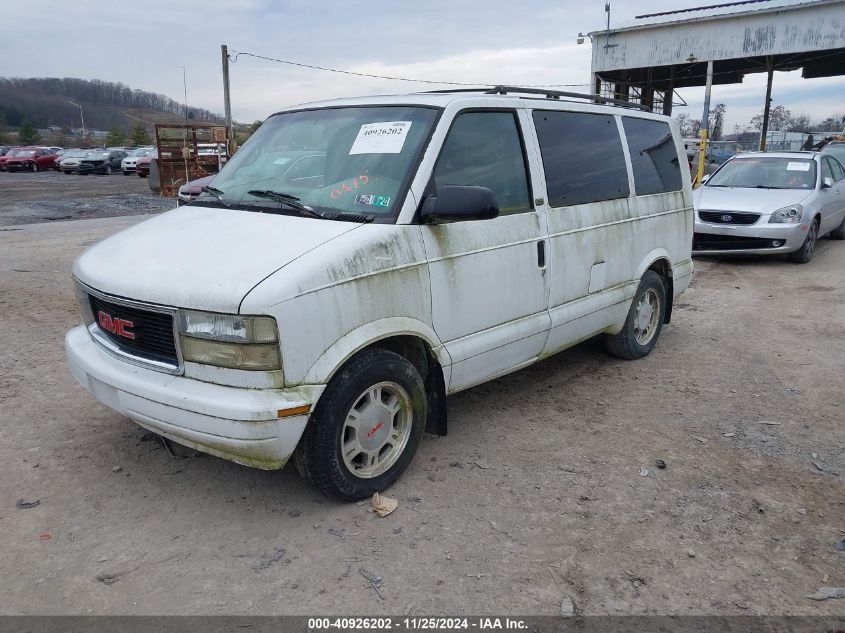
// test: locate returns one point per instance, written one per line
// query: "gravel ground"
(46, 196)
(545, 489)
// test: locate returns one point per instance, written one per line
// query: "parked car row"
(100, 160)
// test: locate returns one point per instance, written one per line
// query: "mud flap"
(435, 389)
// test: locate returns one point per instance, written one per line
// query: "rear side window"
(484, 149)
(582, 157)
(653, 156)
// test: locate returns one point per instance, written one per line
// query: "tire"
(804, 254)
(369, 384)
(34, 167)
(637, 339)
(107, 170)
(839, 232)
(140, 175)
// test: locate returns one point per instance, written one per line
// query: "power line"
(234, 58)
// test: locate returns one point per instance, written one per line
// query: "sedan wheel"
(34, 167)
(108, 170)
(804, 254)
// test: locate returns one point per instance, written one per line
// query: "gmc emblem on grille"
(726, 218)
(120, 327)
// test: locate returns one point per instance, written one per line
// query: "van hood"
(200, 257)
(751, 200)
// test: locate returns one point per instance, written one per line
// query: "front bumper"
(18, 166)
(90, 169)
(752, 239)
(241, 425)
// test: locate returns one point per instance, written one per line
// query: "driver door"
(489, 287)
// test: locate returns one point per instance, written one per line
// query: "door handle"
(541, 253)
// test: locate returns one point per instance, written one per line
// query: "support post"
(227, 106)
(669, 92)
(764, 131)
(705, 126)
(647, 94)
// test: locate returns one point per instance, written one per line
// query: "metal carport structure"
(648, 59)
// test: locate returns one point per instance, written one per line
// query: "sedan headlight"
(230, 340)
(788, 215)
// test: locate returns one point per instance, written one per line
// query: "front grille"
(710, 242)
(728, 217)
(153, 331)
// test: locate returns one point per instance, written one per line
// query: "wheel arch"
(659, 261)
(411, 339)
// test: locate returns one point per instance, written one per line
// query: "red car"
(31, 159)
(10, 154)
(142, 166)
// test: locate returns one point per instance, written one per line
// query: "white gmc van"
(359, 260)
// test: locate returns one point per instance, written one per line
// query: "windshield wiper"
(217, 193)
(286, 199)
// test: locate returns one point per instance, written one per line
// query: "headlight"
(230, 340)
(788, 215)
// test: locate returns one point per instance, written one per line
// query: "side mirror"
(705, 178)
(827, 183)
(457, 203)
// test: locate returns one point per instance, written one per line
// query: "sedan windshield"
(766, 172)
(28, 153)
(98, 155)
(337, 160)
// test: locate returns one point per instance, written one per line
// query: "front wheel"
(804, 254)
(644, 322)
(366, 427)
(108, 170)
(34, 167)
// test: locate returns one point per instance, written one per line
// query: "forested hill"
(106, 105)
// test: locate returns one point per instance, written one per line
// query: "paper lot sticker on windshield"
(797, 166)
(381, 138)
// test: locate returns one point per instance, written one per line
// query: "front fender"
(354, 341)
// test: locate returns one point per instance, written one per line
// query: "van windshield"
(351, 160)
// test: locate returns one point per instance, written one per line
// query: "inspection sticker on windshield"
(381, 138)
(797, 166)
(372, 199)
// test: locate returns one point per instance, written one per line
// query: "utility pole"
(80, 115)
(227, 105)
(770, 71)
(705, 126)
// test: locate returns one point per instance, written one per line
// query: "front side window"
(766, 172)
(582, 157)
(338, 160)
(837, 169)
(827, 171)
(653, 157)
(483, 149)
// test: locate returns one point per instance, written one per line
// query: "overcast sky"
(145, 44)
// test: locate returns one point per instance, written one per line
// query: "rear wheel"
(804, 254)
(366, 427)
(644, 322)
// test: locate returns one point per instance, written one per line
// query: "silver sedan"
(766, 203)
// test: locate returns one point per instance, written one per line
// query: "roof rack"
(557, 94)
(548, 94)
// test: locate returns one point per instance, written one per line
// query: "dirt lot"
(537, 494)
(49, 195)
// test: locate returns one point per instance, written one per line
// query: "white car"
(432, 242)
(766, 203)
(127, 165)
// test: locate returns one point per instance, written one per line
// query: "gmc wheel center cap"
(375, 427)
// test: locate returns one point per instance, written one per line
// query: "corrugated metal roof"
(712, 11)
